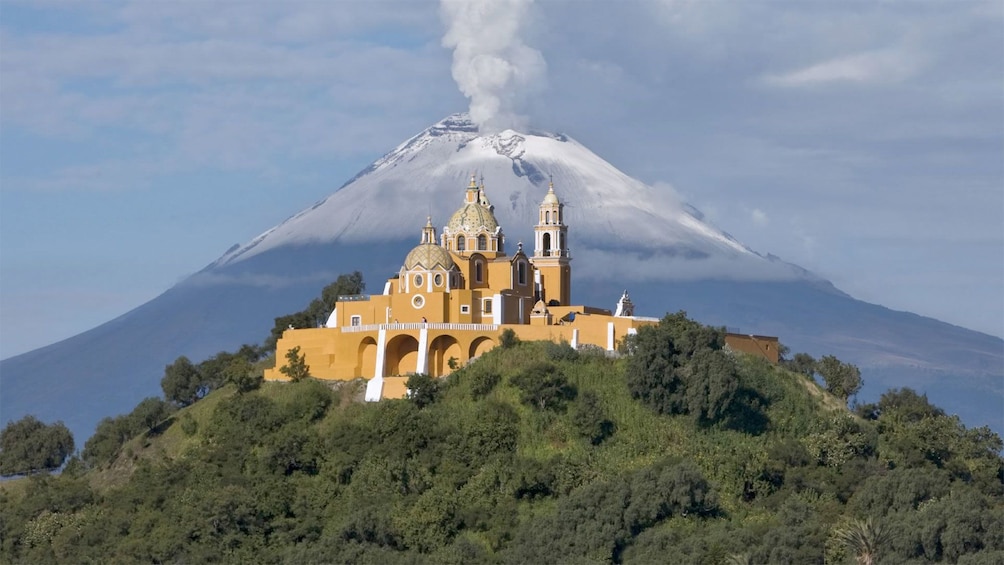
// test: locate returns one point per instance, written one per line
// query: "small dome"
(428, 256)
(473, 218)
(551, 197)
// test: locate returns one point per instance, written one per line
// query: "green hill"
(535, 453)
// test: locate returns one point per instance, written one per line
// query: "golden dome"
(428, 256)
(472, 218)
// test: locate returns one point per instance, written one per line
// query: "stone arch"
(366, 358)
(480, 346)
(401, 355)
(547, 244)
(440, 351)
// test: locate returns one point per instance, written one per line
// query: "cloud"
(759, 217)
(874, 67)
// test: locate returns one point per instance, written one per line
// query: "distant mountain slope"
(623, 234)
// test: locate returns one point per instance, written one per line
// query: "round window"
(438, 279)
(418, 280)
(418, 301)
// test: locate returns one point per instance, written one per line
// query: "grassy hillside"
(535, 453)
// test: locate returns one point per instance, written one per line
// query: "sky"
(861, 140)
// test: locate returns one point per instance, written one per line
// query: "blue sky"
(138, 141)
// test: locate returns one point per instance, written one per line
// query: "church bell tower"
(550, 251)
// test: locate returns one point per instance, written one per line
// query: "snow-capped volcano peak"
(611, 216)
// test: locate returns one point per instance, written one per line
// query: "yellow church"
(451, 300)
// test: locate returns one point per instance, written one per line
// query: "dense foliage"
(30, 445)
(677, 452)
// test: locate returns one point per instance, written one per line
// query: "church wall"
(759, 345)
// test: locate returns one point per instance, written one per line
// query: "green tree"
(590, 420)
(423, 389)
(864, 539)
(240, 373)
(319, 309)
(678, 367)
(296, 367)
(182, 382)
(801, 363)
(148, 413)
(712, 382)
(842, 379)
(544, 386)
(29, 445)
(508, 339)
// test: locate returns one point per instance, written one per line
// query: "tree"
(590, 420)
(319, 309)
(801, 363)
(240, 373)
(29, 445)
(148, 413)
(508, 339)
(711, 385)
(182, 382)
(296, 367)
(544, 386)
(677, 367)
(423, 389)
(842, 379)
(863, 538)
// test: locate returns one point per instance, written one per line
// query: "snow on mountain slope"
(611, 215)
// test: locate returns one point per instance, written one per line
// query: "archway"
(366, 358)
(401, 355)
(480, 346)
(441, 350)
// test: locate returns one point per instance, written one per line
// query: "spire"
(550, 197)
(429, 231)
(473, 191)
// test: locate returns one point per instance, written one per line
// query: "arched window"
(478, 272)
(521, 273)
(561, 243)
(547, 217)
(461, 243)
(547, 245)
(482, 242)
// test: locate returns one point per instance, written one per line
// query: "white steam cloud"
(491, 64)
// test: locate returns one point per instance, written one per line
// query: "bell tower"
(550, 251)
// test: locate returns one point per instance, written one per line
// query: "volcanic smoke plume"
(491, 64)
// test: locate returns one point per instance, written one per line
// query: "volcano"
(623, 234)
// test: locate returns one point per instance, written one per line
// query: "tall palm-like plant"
(863, 538)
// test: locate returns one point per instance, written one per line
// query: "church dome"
(428, 256)
(473, 218)
(550, 197)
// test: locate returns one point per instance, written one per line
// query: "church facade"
(452, 298)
